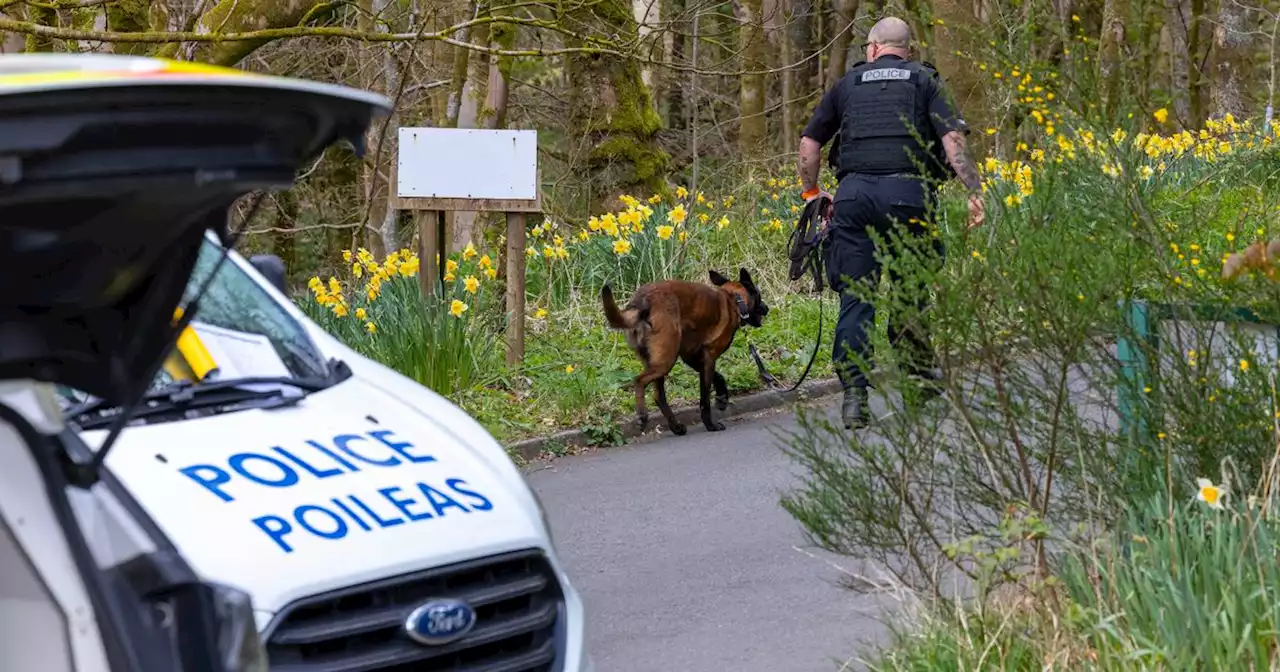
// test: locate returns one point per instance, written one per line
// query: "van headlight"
(542, 511)
(232, 636)
(239, 646)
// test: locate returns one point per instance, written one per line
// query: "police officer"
(892, 117)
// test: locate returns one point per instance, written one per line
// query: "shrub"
(1028, 316)
(448, 342)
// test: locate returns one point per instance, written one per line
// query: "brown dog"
(695, 322)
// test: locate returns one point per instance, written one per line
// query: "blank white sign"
(467, 163)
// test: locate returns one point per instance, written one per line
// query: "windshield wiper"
(187, 396)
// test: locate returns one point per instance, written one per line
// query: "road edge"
(533, 449)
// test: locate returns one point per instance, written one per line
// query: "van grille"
(519, 622)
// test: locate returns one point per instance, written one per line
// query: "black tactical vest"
(883, 104)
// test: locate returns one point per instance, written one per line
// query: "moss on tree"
(612, 109)
(130, 16)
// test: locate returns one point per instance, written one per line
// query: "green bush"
(447, 342)
(576, 372)
(1179, 585)
(1051, 410)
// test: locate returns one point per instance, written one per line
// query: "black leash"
(804, 248)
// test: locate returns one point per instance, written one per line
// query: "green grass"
(577, 372)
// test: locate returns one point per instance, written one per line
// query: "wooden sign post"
(441, 170)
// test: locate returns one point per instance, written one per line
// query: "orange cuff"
(811, 193)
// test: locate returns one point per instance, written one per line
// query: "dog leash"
(804, 248)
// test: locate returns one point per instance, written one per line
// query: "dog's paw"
(715, 426)
(678, 429)
(642, 422)
(722, 403)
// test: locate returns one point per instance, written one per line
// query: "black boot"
(925, 386)
(930, 382)
(855, 410)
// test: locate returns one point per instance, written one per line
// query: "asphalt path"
(686, 561)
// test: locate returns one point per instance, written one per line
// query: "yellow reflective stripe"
(197, 356)
(176, 367)
(163, 67)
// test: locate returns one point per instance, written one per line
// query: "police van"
(373, 524)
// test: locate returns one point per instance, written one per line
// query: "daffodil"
(621, 246)
(470, 284)
(371, 327)
(457, 308)
(568, 369)
(361, 314)
(1209, 493)
(677, 215)
(540, 314)
(665, 232)
(1161, 115)
(491, 272)
(681, 192)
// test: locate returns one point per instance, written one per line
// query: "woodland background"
(1070, 502)
(634, 97)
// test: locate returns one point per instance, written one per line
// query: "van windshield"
(236, 320)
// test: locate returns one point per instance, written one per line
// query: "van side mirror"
(272, 268)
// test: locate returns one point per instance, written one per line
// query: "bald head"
(890, 35)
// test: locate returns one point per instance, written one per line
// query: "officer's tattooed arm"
(958, 155)
(810, 163)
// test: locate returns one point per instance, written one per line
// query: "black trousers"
(895, 208)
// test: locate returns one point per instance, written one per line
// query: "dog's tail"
(632, 321)
(611, 313)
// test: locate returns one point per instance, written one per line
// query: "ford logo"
(440, 621)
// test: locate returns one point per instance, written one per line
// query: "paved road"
(686, 561)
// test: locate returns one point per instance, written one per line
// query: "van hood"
(111, 170)
(349, 486)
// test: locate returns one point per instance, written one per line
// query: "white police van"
(374, 525)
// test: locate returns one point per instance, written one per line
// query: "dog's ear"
(744, 279)
(716, 278)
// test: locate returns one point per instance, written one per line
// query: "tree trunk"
(751, 124)
(129, 16)
(1175, 21)
(803, 78)
(1110, 42)
(459, 80)
(842, 17)
(235, 16)
(285, 238)
(648, 14)
(1195, 47)
(44, 17)
(1231, 43)
(922, 30)
(673, 91)
(497, 92)
(465, 225)
(788, 93)
(379, 230)
(611, 110)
